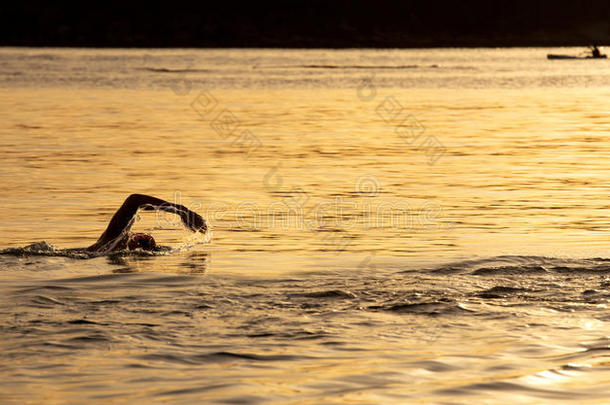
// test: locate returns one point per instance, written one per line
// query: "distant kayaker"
(595, 52)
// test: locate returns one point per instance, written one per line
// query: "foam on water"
(46, 249)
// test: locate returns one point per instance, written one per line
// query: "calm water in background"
(387, 226)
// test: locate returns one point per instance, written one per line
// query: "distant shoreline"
(311, 24)
(290, 47)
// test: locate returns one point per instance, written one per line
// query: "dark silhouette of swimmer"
(117, 236)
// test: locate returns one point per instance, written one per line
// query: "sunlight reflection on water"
(430, 228)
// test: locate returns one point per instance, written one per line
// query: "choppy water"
(387, 226)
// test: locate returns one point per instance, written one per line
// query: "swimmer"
(117, 236)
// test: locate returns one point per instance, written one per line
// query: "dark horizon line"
(280, 47)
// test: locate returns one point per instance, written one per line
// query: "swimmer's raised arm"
(122, 220)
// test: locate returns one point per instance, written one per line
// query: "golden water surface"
(322, 186)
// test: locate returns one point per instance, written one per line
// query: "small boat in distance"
(594, 54)
(553, 56)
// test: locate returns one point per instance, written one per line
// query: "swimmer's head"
(141, 241)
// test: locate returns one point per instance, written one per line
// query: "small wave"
(191, 390)
(598, 350)
(501, 292)
(42, 301)
(92, 338)
(219, 357)
(433, 366)
(322, 66)
(333, 294)
(168, 70)
(433, 308)
(41, 56)
(524, 265)
(492, 271)
(45, 287)
(84, 322)
(503, 386)
(359, 66)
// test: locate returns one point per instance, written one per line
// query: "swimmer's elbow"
(143, 201)
(135, 200)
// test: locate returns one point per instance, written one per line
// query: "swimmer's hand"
(193, 221)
